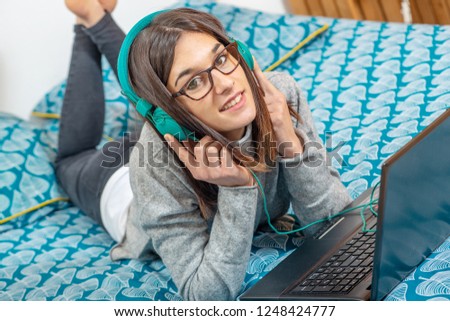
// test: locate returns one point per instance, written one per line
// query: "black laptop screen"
(414, 206)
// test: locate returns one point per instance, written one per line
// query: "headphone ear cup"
(143, 107)
(167, 125)
(246, 54)
(163, 123)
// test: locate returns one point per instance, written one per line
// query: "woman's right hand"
(209, 161)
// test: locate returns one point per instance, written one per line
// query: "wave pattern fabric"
(27, 177)
(371, 87)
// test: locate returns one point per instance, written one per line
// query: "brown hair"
(150, 61)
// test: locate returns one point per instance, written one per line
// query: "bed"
(371, 87)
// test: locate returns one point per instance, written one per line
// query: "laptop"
(413, 218)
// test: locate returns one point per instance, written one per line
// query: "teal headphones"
(156, 115)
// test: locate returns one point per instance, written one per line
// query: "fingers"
(265, 84)
(200, 150)
(209, 161)
(190, 145)
(212, 152)
(226, 158)
(204, 153)
(183, 153)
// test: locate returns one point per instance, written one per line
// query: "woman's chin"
(237, 131)
(237, 121)
(247, 119)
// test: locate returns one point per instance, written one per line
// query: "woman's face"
(229, 107)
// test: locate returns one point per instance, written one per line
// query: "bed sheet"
(371, 88)
(66, 257)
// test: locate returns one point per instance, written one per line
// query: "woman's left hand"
(287, 142)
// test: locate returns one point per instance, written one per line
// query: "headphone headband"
(122, 63)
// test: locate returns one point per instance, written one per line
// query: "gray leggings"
(81, 169)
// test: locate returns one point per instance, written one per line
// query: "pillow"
(120, 114)
(272, 38)
(28, 187)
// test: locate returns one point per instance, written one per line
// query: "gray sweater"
(208, 259)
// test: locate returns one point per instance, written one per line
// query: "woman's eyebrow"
(189, 70)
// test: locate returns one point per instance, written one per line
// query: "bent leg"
(83, 176)
(82, 170)
(108, 37)
(83, 111)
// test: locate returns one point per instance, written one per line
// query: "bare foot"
(108, 5)
(89, 12)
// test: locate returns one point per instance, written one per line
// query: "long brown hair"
(150, 61)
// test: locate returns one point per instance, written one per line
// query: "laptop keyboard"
(344, 270)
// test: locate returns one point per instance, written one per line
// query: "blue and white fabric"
(371, 87)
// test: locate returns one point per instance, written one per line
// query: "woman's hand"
(209, 161)
(287, 142)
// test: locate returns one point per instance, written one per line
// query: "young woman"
(196, 204)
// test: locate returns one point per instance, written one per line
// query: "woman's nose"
(222, 83)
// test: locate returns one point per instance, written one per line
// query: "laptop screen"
(414, 211)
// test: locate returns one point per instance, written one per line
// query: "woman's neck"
(246, 135)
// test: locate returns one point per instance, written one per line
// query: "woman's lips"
(238, 105)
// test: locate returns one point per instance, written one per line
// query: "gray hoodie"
(207, 259)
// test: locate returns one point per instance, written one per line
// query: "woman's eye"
(221, 60)
(194, 84)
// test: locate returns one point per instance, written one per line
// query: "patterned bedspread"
(371, 87)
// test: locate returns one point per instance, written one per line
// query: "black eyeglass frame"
(208, 71)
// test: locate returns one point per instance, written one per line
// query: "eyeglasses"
(201, 83)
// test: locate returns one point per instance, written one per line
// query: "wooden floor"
(423, 11)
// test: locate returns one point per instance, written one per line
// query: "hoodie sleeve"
(206, 259)
(314, 185)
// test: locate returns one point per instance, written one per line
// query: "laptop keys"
(344, 270)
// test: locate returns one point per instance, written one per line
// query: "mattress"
(371, 88)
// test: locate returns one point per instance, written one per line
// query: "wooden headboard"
(421, 11)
